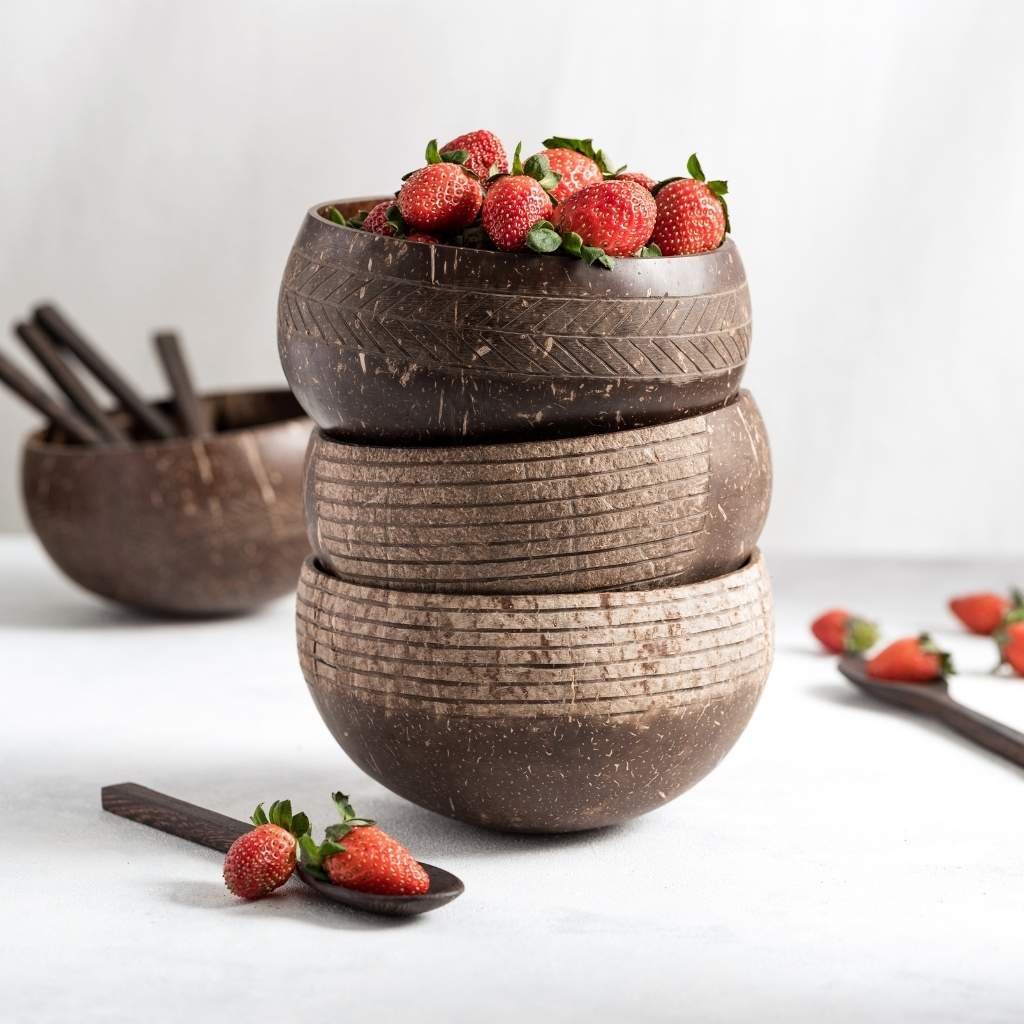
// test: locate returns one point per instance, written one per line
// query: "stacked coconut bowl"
(535, 600)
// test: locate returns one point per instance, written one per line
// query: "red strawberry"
(692, 214)
(838, 631)
(1012, 646)
(576, 170)
(440, 197)
(512, 206)
(418, 236)
(914, 659)
(983, 613)
(358, 855)
(639, 177)
(616, 216)
(262, 860)
(377, 219)
(487, 155)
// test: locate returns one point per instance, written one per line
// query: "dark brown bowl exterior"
(395, 342)
(675, 503)
(186, 526)
(537, 713)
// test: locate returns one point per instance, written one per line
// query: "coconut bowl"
(187, 526)
(653, 506)
(478, 346)
(537, 713)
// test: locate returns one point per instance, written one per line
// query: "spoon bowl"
(444, 887)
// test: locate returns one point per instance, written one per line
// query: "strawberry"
(418, 236)
(639, 177)
(838, 631)
(440, 197)
(512, 206)
(578, 163)
(515, 203)
(1009, 638)
(443, 196)
(984, 613)
(377, 219)
(359, 855)
(692, 214)
(914, 659)
(1012, 646)
(485, 155)
(616, 216)
(262, 860)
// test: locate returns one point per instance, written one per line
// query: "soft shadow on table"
(294, 901)
(849, 697)
(31, 601)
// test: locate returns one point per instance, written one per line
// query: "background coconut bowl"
(187, 526)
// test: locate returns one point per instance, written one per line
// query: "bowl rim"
(35, 441)
(741, 396)
(541, 604)
(313, 212)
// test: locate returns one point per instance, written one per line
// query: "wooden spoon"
(218, 832)
(934, 701)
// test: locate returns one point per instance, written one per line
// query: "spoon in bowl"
(218, 832)
(933, 700)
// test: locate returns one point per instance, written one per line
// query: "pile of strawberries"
(568, 198)
(355, 853)
(918, 659)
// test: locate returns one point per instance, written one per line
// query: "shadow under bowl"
(655, 506)
(544, 713)
(186, 526)
(389, 341)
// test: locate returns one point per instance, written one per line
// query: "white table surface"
(844, 863)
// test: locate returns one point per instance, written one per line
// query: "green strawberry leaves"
(928, 646)
(693, 168)
(536, 167)
(313, 853)
(861, 636)
(586, 147)
(454, 156)
(397, 221)
(544, 237)
(337, 217)
(280, 814)
(649, 251)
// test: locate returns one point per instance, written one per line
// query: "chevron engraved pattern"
(505, 332)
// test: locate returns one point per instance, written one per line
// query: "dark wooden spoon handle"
(186, 401)
(985, 731)
(152, 420)
(40, 345)
(176, 817)
(56, 413)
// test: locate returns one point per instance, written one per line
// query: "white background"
(158, 158)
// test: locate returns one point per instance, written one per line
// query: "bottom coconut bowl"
(187, 526)
(549, 713)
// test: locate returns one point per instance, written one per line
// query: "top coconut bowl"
(395, 342)
(186, 526)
